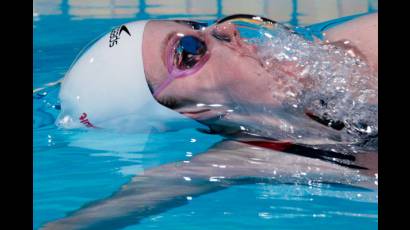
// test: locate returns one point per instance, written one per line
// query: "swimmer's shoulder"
(362, 32)
(363, 26)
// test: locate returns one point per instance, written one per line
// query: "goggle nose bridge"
(251, 18)
(245, 16)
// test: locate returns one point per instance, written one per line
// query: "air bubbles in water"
(330, 81)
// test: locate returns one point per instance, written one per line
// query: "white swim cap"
(106, 87)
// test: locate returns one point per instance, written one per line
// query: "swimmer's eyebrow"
(151, 88)
(169, 102)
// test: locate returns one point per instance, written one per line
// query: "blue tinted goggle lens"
(191, 45)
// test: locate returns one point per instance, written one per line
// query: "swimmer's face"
(227, 75)
(222, 82)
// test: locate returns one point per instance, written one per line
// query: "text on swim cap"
(116, 33)
(84, 120)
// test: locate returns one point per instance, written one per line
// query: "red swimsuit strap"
(274, 145)
(288, 146)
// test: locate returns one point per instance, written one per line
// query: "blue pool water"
(75, 167)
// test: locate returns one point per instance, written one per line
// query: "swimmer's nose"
(226, 32)
(230, 36)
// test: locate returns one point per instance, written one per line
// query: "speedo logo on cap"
(116, 34)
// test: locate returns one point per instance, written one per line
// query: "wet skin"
(164, 187)
(233, 78)
(228, 65)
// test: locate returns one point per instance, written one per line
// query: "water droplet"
(215, 178)
(215, 105)
(265, 215)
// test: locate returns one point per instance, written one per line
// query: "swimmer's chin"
(207, 116)
(215, 119)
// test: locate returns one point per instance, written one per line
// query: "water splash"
(330, 82)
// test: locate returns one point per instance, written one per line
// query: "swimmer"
(284, 102)
(287, 91)
(272, 83)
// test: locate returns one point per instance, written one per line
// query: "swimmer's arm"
(157, 190)
(171, 185)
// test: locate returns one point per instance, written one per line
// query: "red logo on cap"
(85, 121)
